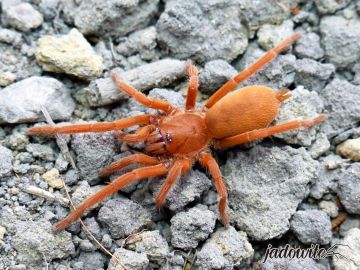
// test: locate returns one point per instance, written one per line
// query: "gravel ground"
(57, 55)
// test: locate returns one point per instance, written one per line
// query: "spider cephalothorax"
(177, 138)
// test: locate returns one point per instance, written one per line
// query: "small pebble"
(350, 149)
(53, 178)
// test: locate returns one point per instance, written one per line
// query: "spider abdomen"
(249, 108)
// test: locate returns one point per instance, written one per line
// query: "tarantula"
(177, 138)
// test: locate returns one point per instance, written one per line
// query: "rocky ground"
(56, 56)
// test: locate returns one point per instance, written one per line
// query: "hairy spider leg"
(246, 73)
(117, 184)
(180, 167)
(140, 97)
(265, 132)
(92, 127)
(140, 135)
(193, 73)
(211, 165)
(126, 161)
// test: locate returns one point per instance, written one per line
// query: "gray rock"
(308, 46)
(356, 70)
(349, 223)
(17, 141)
(278, 74)
(34, 240)
(157, 74)
(93, 152)
(342, 106)
(152, 244)
(312, 227)
(190, 227)
(92, 260)
(214, 75)
(291, 264)
(199, 30)
(320, 146)
(225, 249)
(10, 37)
(21, 16)
(49, 8)
(116, 17)
(123, 217)
(339, 37)
(265, 187)
(93, 227)
(256, 13)
(304, 105)
(327, 180)
(348, 189)
(5, 161)
(142, 42)
(330, 6)
(70, 54)
(187, 189)
(313, 75)
(270, 35)
(350, 251)
(21, 102)
(44, 152)
(130, 259)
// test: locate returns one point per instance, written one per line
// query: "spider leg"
(92, 127)
(139, 136)
(140, 97)
(210, 163)
(193, 86)
(243, 75)
(265, 132)
(283, 94)
(179, 168)
(117, 184)
(126, 161)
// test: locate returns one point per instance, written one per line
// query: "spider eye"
(168, 137)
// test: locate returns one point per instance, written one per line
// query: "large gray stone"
(257, 13)
(93, 152)
(5, 161)
(312, 227)
(116, 17)
(35, 241)
(123, 217)
(22, 16)
(340, 38)
(21, 102)
(342, 106)
(225, 249)
(157, 74)
(265, 187)
(349, 248)
(348, 189)
(190, 227)
(202, 30)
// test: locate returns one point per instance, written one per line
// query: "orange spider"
(176, 139)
